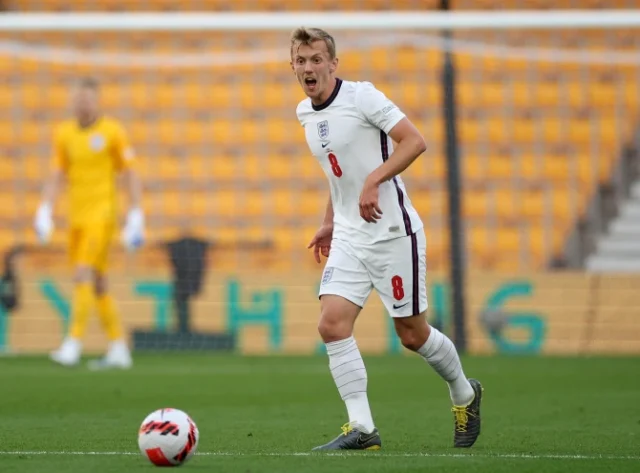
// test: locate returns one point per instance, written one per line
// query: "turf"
(264, 414)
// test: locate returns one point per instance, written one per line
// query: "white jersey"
(348, 136)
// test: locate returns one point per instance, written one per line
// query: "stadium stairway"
(619, 249)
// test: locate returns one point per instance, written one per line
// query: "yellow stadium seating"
(221, 150)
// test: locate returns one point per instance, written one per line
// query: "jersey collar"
(97, 120)
(331, 98)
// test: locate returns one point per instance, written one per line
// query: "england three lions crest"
(323, 129)
(97, 142)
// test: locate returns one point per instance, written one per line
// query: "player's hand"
(321, 242)
(133, 232)
(369, 209)
(43, 223)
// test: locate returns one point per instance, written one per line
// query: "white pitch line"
(523, 456)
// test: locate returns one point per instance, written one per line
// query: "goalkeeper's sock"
(81, 308)
(110, 317)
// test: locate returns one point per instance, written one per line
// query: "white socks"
(441, 354)
(350, 376)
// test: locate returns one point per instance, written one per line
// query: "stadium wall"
(535, 313)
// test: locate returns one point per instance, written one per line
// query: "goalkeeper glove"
(133, 232)
(43, 222)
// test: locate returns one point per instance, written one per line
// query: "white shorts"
(396, 268)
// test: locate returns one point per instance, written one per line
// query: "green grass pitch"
(264, 414)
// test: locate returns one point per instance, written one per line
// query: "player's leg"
(82, 301)
(441, 354)
(81, 304)
(400, 278)
(118, 355)
(344, 288)
(107, 310)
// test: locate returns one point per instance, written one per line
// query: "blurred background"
(547, 144)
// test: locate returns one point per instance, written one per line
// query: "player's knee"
(100, 284)
(334, 326)
(83, 274)
(332, 329)
(337, 317)
(412, 340)
(413, 332)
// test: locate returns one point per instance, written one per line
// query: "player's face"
(314, 69)
(85, 104)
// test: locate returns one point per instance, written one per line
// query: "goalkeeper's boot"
(68, 354)
(118, 357)
(352, 438)
(467, 419)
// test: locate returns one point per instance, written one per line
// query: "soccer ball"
(168, 437)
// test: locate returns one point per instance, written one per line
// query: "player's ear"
(333, 66)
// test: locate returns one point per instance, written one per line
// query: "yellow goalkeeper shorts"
(89, 245)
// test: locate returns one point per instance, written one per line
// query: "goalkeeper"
(89, 152)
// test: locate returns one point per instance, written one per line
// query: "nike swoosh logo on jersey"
(399, 306)
(324, 145)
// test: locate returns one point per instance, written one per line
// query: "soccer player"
(372, 236)
(89, 152)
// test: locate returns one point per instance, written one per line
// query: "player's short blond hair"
(306, 36)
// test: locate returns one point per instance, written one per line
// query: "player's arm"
(321, 242)
(328, 214)
(410, 145)
(133, 232)
(43, 222)
(134, 187)
(52, 186)
(385, 115)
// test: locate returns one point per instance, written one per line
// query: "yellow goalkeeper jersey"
(91, 158)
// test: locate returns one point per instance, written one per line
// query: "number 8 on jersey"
(335, 167)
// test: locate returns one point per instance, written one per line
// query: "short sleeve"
(377, 108)
(124, 154)
(300, 114)
(59, 160)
